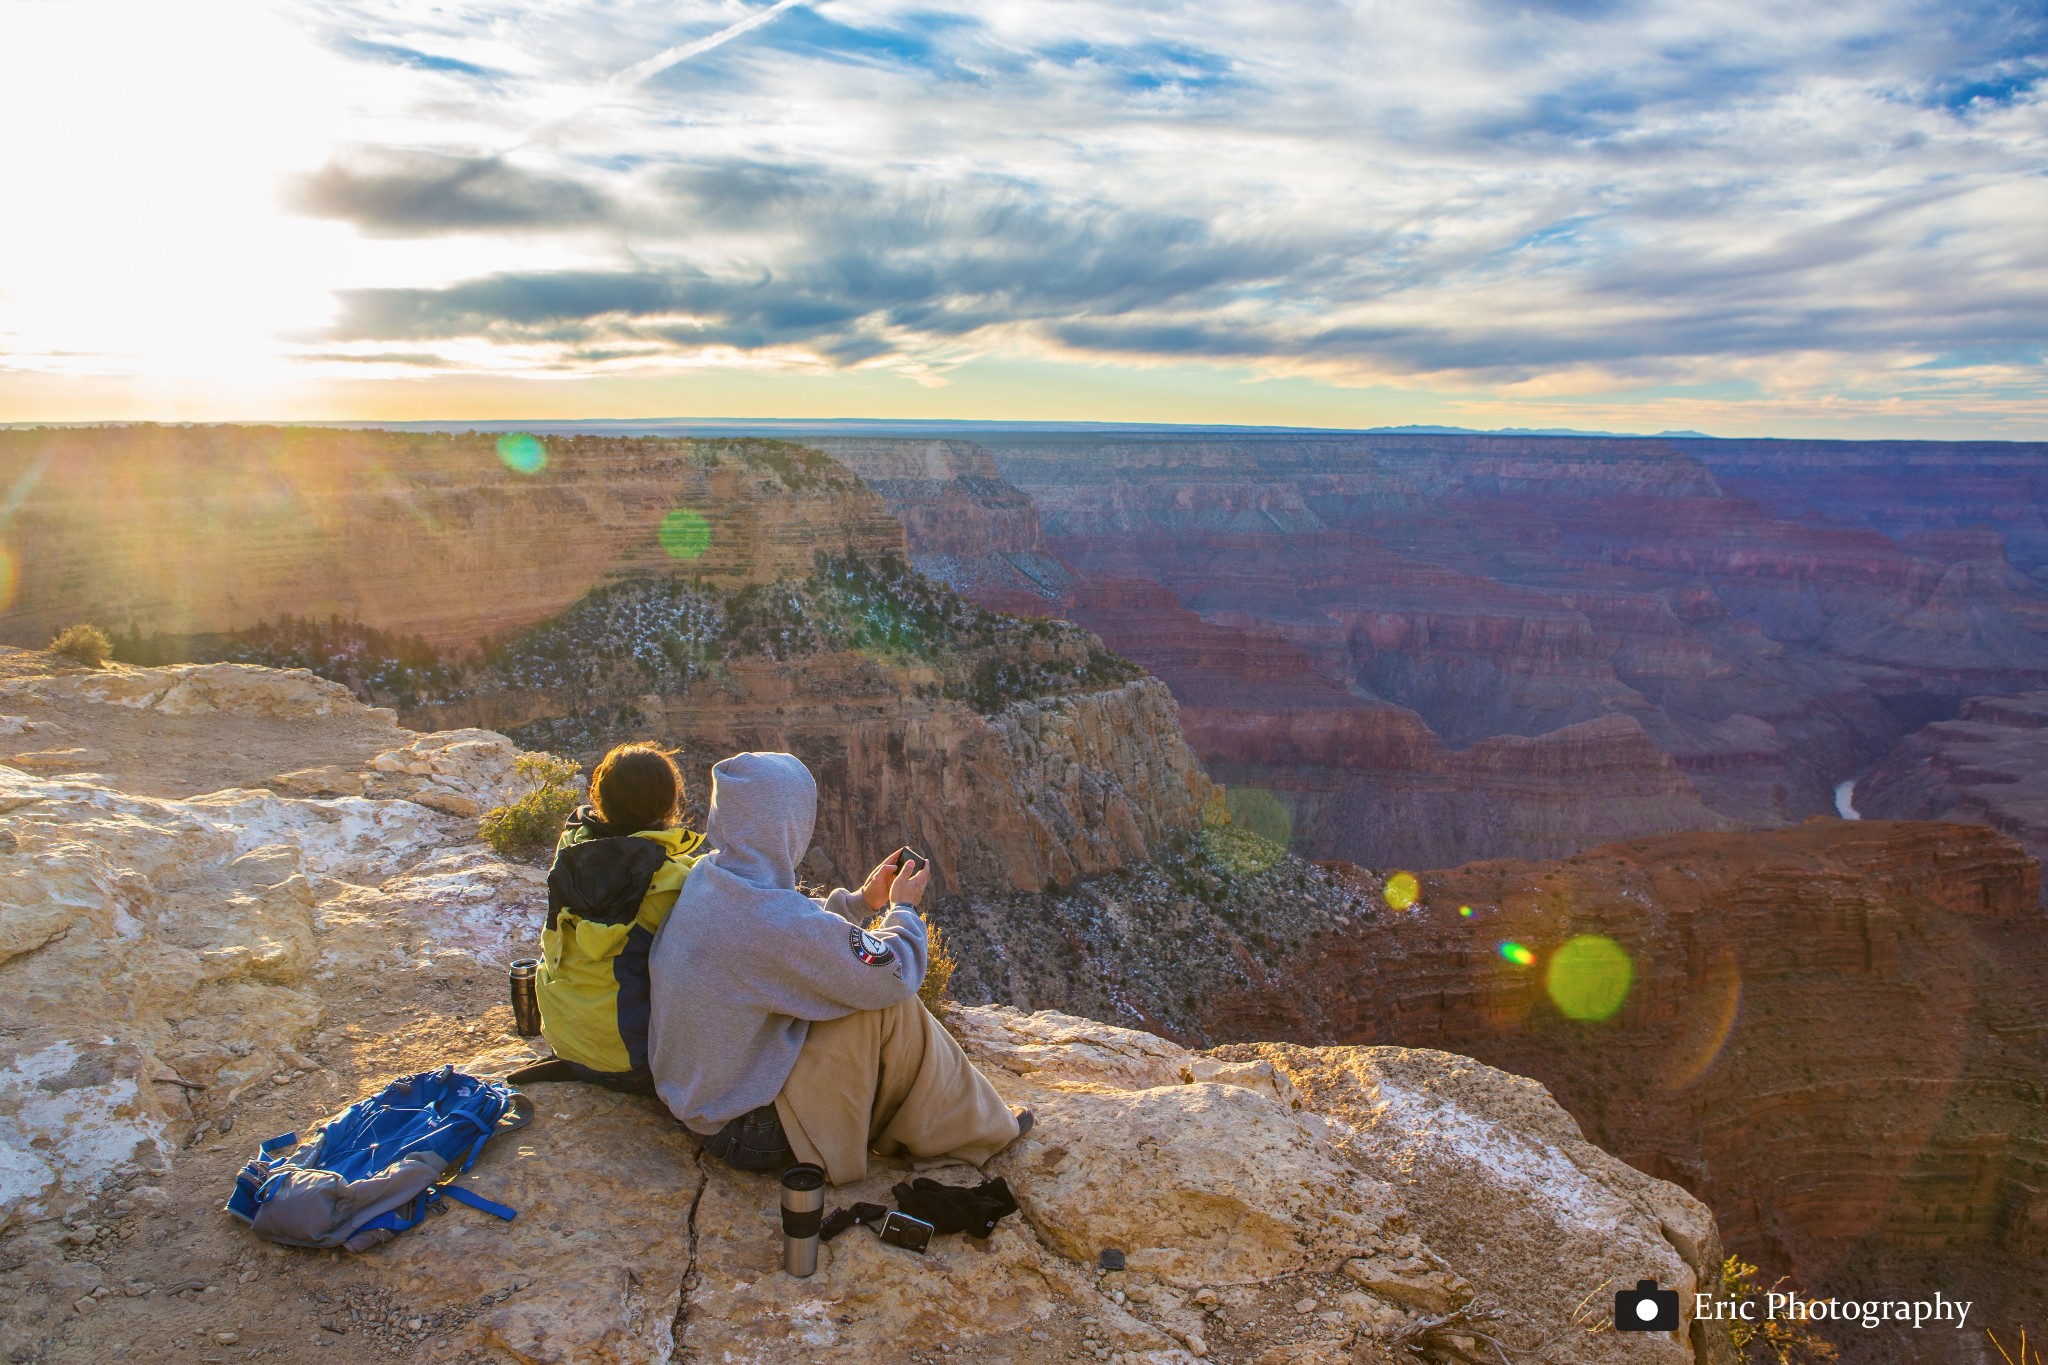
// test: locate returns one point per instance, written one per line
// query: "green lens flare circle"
(1589, 977)
(1402, 890)
(685, 534)
(521, 453)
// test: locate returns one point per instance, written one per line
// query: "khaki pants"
(890, 1081)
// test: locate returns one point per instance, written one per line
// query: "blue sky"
(1742, 218)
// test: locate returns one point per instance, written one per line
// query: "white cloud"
(1824, 203)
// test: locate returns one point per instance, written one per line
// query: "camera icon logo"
(1646, 1308)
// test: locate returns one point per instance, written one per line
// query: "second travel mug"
(525, 1002)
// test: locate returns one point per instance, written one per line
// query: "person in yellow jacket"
(617, 870)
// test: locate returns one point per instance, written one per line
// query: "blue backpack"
(374, 1170)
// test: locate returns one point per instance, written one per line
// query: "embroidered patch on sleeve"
(870, 949)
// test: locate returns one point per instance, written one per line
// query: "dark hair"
(637, 786)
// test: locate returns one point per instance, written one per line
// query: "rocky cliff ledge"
(194, 958)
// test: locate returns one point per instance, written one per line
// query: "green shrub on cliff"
(83, 644)
(531, 822)
(938, 969)
(1245, 830)
(1767, 1341)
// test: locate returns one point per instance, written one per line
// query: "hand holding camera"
(913, 872)
(898, 878)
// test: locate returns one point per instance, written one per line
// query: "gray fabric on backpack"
(311, 1208)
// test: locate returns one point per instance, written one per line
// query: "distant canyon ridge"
(1399, 650)
(1433, 648)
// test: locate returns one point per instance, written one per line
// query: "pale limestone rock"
(1198, 1184)
(1413, 1280)
(330, 779)
(604, 1187)
(1498, 1179)
(57, 760)
(459, 772)
(467, 897)
(194, 923)
(198, 689)
(1261, 1076)
(1069, 1049)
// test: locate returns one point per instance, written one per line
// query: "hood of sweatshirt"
(763, 809)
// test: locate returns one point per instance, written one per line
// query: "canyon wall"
(453, 538)
(1748, 622)
(1372, 779)
(1835, 1034)
(1041, 793)
(1988, 766)
(965, 526)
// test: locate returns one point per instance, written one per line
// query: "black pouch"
(956, 1208)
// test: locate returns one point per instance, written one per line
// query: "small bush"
(938, 966)
(938, 969)
(1770, 1342)
(532, 820)
(83, 644)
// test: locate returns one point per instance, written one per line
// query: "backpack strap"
(518, 1112)
(474, 1200)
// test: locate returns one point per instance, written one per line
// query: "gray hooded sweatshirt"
(745, 961)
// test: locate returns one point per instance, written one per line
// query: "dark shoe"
(1025, 1118)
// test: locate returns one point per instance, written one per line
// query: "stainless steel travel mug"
(525, 1002)
(803, 1212)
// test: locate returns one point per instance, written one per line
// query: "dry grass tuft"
(83, 643)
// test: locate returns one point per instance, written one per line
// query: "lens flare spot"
(1261, 811)
(1250, 832)
(1517, 954)
(6, 579)
(1589, 977)
(685, 534)
(1465, 912)
(1709, 1021)
(521, 453)
(1402, 890)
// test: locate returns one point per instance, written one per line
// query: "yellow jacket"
(607, 895)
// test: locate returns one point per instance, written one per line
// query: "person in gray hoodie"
(782, 1028)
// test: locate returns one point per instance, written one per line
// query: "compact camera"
(914, 1234)
(1646, 1308)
